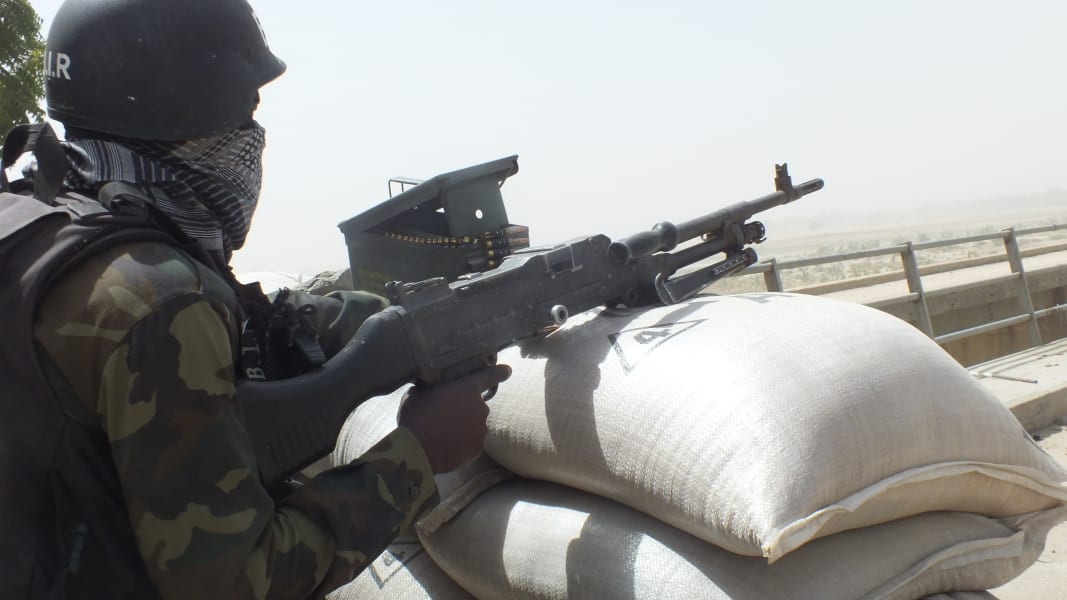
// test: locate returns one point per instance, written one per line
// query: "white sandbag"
(529, 539)
(759, 422)
(962, 596)
(403, 572)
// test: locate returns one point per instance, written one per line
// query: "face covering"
(211, 184)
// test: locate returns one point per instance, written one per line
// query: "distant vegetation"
(21, 58)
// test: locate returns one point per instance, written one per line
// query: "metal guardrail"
(912, 273)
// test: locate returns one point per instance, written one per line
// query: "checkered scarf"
(211, 184)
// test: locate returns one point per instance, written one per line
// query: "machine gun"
(437, 331)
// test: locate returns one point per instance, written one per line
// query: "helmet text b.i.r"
(57, 64)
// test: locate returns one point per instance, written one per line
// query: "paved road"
(1047, 578)
(1033, 384)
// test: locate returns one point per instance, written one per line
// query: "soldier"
(135, 477)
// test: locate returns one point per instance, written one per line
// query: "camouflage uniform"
(138, 344)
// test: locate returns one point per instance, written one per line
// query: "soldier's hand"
(449, 419)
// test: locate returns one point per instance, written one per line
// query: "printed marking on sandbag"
(393, 560)
(632, 346)
(761, 298)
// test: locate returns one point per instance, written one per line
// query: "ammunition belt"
(493, 245)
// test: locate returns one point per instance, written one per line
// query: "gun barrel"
(662, 236)
(665, 236)
(742, 211)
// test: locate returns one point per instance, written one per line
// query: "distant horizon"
(993, 207)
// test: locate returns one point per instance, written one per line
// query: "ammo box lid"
(452, 224)
(470, 199)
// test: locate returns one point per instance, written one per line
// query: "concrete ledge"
(1041, 409)
(1031, 383)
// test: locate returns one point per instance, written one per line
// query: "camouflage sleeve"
(204, 524)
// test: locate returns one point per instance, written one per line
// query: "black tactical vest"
(62, 518)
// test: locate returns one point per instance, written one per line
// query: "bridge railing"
(913, 274)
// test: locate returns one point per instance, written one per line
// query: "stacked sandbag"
(534, 540)
(962, 596)
(403, 572)
(829, 439)
(760, 422)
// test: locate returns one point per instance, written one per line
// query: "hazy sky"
(626, 113)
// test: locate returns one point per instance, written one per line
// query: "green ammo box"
(452, 224)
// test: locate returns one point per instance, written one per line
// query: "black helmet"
(156, 69)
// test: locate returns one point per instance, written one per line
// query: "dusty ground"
(1047, 578)
(901, 227)
(1054, 440)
